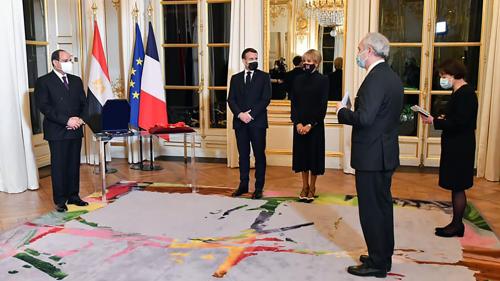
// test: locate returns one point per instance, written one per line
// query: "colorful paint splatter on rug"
(160, 232)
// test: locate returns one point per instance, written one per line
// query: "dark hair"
(248, 50)
(453, 67)
(55, 55)
(297, 60)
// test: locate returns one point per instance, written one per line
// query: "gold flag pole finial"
(135, 12)
(150, 10)
(94, 10)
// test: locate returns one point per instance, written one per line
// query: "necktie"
(248, 78)
(65, 80)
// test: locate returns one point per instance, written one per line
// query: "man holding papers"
(375, 151)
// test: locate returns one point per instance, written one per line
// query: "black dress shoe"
(257, 194)
(78, 202)
(365, 270)
(61, 208)
(366, 260)
(239, 192)
(451, 231)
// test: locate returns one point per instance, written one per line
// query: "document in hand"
(346, 100)
(420, 110)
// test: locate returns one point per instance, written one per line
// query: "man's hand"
(245, 117)
(74, 123)
(339, 106)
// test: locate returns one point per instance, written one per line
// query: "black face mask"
(253, 65)
(309, 67)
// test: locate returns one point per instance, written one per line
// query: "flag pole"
(152, 165)
(136, 165)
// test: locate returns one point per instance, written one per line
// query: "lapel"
(60, 83)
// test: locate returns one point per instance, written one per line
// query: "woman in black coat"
(309, 100)
(458, 142)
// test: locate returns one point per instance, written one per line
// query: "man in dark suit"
(61, 98)
(292, 74)
(375, 152)
(249, 96)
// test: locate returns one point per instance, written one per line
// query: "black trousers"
(65, 169)
(257, 138)
(376, 215)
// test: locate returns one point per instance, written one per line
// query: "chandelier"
(327, 12)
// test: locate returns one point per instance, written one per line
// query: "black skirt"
(309, 151)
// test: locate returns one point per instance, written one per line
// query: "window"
(219, 17)
(36, 53)
(189, 50)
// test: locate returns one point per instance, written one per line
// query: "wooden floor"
(411, 183)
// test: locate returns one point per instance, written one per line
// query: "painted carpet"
(159, 232)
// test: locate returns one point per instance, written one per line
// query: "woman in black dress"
(309, 100)
(458, 142)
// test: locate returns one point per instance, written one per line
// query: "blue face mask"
(445, 83)
(359, 61)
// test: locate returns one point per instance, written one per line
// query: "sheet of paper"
(346, 100)
(420, 110)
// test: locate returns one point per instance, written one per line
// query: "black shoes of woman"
(451, 230)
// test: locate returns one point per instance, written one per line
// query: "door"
(424, 33)
(49, 25)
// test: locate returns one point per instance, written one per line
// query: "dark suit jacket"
(375, 121)
(290, 77)
(58, 104)
(254, 97)
(335, 78)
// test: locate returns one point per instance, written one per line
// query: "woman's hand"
(306, 129)
(302, 130)
(427, 120)
(299, 128)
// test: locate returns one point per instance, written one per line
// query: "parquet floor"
(412, 183)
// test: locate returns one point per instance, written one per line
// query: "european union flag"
(135, 78)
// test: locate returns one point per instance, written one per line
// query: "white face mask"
(445, 83)
(67, 67)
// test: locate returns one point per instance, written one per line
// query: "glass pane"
(408, 120)
(219, 20)
(181, 66)
(328, 40)
(218, 62)
(327, 67)
(180, 23)
(401, 20)
(183, 105)
(37, 63)
(36, 116)
(405, 61)
(328, 54)
(438, 106)
(467, 55)
(34, 20)
(218, 109)
(459, 21)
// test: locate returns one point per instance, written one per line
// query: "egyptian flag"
(135, 78)
(153, 104)
(99, 86)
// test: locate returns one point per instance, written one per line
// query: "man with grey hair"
(375, 151)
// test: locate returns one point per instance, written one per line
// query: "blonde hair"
(313, 54)
(338, 62)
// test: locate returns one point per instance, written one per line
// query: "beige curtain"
(18, 170)
(246, 31)
(488, 162)
(358, 24)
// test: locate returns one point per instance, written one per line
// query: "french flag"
(153, 104)
(99, 86)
